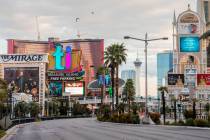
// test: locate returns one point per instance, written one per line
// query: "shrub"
(155, 117)
(188, 114)
(135, 119)
(2, 133)
(114, 118)
(190, 122)
(128, 118)
(180, 122)
(201, 123)
(173, 123)
(135, 107)
(167, 123)
(209, 118)
(122, 118)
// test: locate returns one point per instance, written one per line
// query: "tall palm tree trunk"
(194, 110)
(164, 109)
(175, 110)
(102, 94)
(129, 106)
(113, 83)
(117, 85)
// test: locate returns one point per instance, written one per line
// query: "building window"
(206, 11)
(208, 55)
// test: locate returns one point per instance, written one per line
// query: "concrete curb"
(127, 124)
(188, 127)
(12, 131)
(168, 126)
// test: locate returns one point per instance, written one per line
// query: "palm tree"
(114, 56)
(3, 98)
(194, 108)
(3, 90)
(174, 101)
(129, 90)
(163, 90)
(101, 71)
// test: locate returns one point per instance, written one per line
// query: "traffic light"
(110, 91)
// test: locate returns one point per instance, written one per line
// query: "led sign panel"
(189, 44)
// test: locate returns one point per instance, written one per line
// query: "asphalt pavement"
(90, 129)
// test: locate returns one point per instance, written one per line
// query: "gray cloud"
(111, 20)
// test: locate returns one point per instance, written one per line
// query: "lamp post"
(200, 108)
(146, 41)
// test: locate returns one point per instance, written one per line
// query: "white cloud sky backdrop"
(108, 19)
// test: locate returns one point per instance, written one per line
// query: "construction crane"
(37, 28)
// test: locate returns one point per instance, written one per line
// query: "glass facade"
(206, 10)
(164, 64)
(128, 74)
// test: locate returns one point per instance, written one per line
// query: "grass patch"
(2, 133)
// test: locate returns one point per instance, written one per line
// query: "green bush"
(190, 122)
(135, 119)
(114, 118)
(173, 123)
(2, 133)
(201, 123)
(188, 114)
(209, 118)
(155, 116)
(167, 123)
(181, 122)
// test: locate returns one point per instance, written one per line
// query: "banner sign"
(19, 58)
(74, 88)
(188, 28)
(65, 76)
(203, 79)
(176, 79)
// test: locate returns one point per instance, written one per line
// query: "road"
(90, 129)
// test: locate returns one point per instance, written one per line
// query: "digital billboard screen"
(55, 88)
(203, 79)
(24, 80)
(74, 88)
(176, 79)
(189, 44)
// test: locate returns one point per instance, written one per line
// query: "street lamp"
(200, 108)
(146, 41)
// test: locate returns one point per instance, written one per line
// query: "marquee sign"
(63, 76)
(23, 58)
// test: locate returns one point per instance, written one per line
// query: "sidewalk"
(12, 131)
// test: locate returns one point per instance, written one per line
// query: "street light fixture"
(146, 40)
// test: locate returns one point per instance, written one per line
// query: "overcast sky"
(105, 19)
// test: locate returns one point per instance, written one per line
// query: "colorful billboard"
(189, 44)
(74, 88)
(203, 79)
(176, 79)
(24, 80)
(64, 58)
(55, 88)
